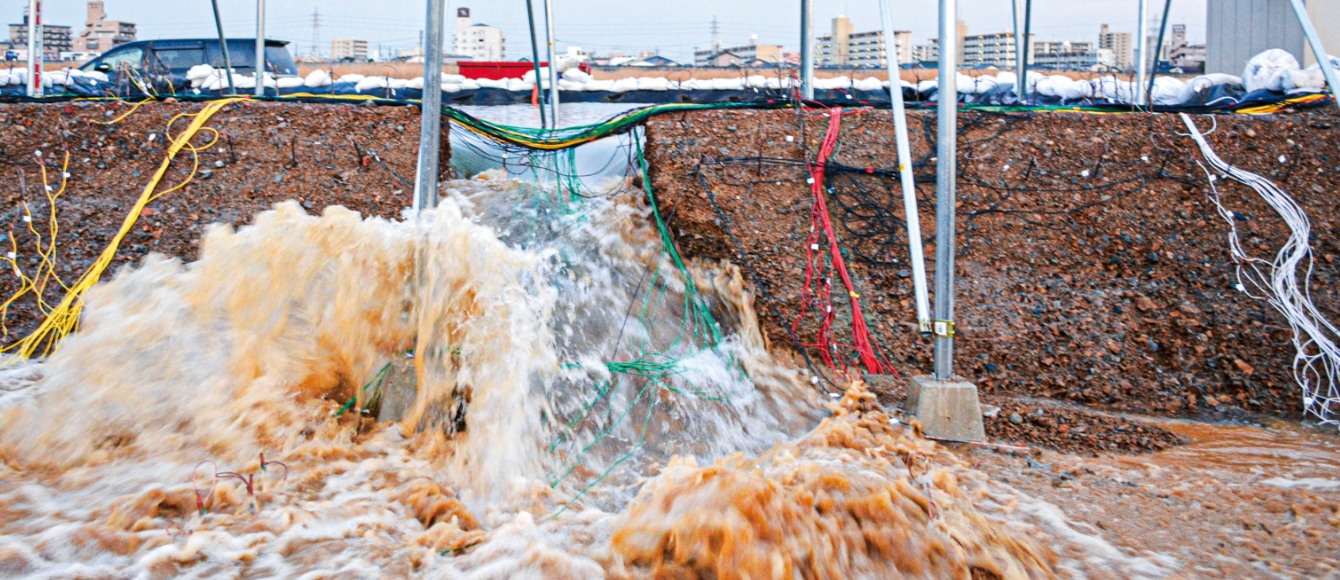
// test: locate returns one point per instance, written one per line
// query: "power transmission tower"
(715, 29)
(316, 29)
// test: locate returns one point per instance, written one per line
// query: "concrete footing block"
(947, 409)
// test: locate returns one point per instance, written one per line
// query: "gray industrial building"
(1236, 30)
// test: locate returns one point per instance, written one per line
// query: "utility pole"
(905, 169)
(1319, 51)
(946, 170)
(35, 49)
(1143, 43)
(430, 112)
(223, 45)
(946, 407)
(260, 48)
(553, 65)
(535, 56)
(1019, 43)
(806, 49)
(316, 30)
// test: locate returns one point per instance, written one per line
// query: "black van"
(164, 60)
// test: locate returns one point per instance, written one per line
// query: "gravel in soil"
(1071, 429)
(359, 157)
(1091, 267)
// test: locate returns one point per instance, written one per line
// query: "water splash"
(517, 312)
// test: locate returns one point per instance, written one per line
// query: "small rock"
(904, 273)
(218, 163)
(1016, 419)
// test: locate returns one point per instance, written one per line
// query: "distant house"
(722, 58)
(99, 34)
(658, 60)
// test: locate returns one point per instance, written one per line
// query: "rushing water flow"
(533, 387)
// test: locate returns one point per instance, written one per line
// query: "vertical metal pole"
(1028, 50)
(1143, 44)
(553, 65)
(905, 170)
(945, 175)
(1319, 51)
(1018, 51)
(807, 49)
(260, 48)
(223, 45)
(430, 112)
(34, 48)
(1158, 47)
(535, 56)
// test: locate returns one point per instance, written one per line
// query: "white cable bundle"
(1317, 362)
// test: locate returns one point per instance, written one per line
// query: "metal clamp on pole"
(914, 249)
(944, 329)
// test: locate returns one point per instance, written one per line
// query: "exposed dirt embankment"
(1091, 265)
(359, 157)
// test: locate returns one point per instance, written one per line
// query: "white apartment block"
(478, 41)
(348, 49)
(1120, 45)
(987, 49)
(842, 47)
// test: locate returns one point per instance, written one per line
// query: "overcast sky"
(673, 26)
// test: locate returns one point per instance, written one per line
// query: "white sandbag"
(868, 84)
(58, 78)
(567, 85)
(694, 85)
(214, 82)
(491, 83)
(199, 72)
(927, 85)
(352, 78)
(317, 78)
(398, 84)
(773, 83)
(756, 81)
(289, 82)
(624, 85)
(1311, 78)
(93, 74)
(243, 82)
(371, 84)
(1268, 70)
(1167, 91)
(1006, 78)
(4, 77)
(672, 85)
(451, 87)
(652, 84)
(18, 76)
(454, 79)
(599, 85)
(977, 85)
(415, 83)
(576, 75)
(518, 85)
(544, 75)
(728, 84)
(469, 84)
(1204, 83)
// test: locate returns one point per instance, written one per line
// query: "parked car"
(11, 55)
(166, 61)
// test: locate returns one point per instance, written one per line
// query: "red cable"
(819, 217)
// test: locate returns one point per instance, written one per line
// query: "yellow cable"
(64, 317)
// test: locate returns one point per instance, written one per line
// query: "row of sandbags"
(54, 78)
